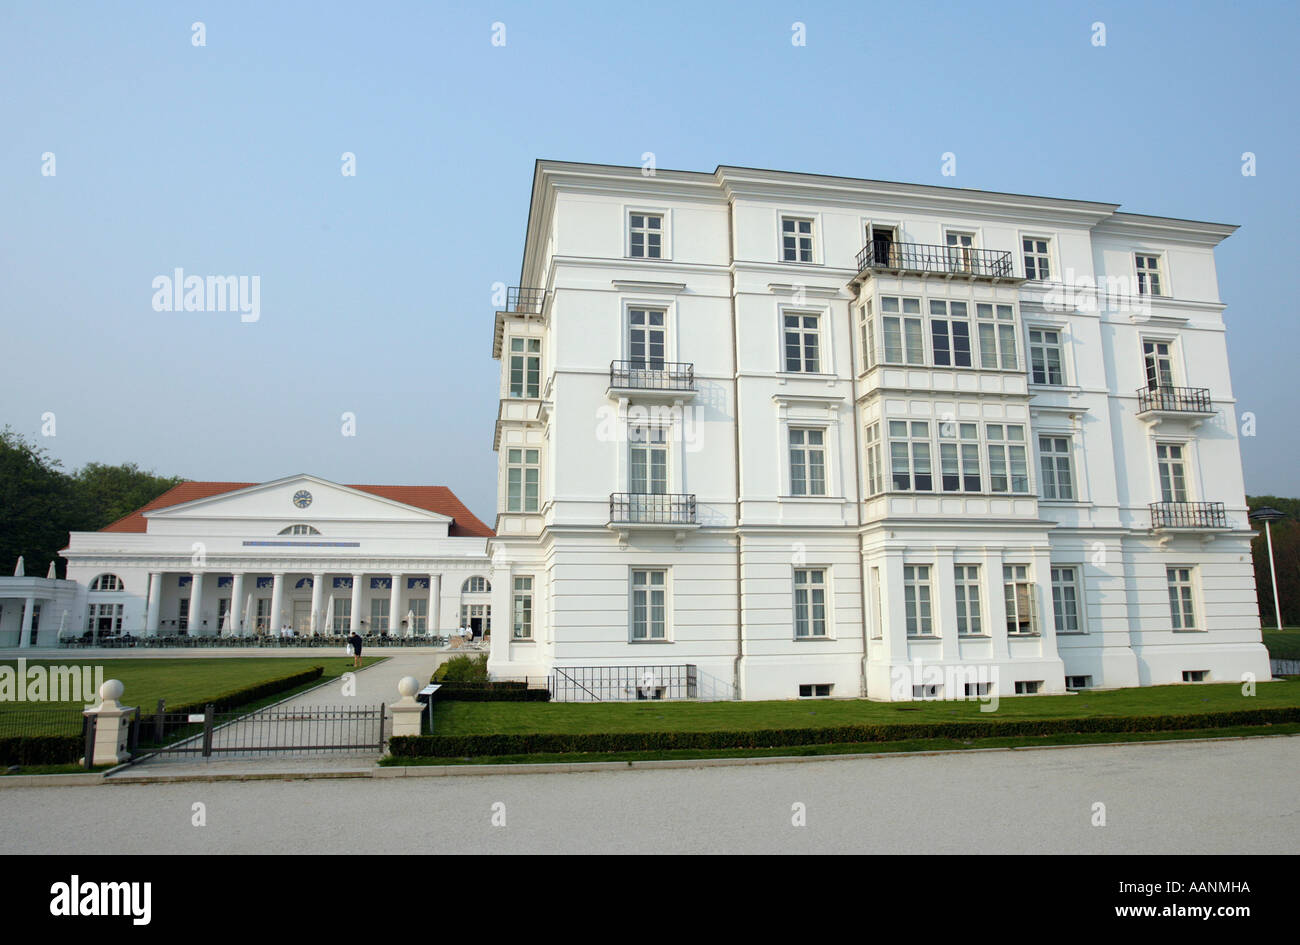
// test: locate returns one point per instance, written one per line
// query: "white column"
(435, 602)
(277, 601)
(155, 603)
(237, 603)
(25, 634)
(317, 588)
(395, 605)
(196, 603)
(357, 580)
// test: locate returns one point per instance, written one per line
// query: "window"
(299, 530)
(476, 585)
(1008, 468)
(809, 603)
(379, 614)
(978, 688)
(909, 456)
(796, 239)
(1159, 364)
(523, 609)
(1054, 460)
(480, 612)
(1148, 274)
(997, 333)
(950, 333)
(646, 338)
(1196, 675)
(1021, 600)
(646, 235)
(262, 622)
(904, 336)
(963, 475)
(916, 600)
(1180, 598)
(107, 582)
(959, 250)
(419, 608)
(342, 615)
(223, 608)
(183, 614)
(1045, 357)
(100, 618)
(1028, 687)
(525, 367)
(877, 614)
(968, 600)
(649, 605)
(815, 690)
(522, 475)
(802, 345)
(807, 461)
(867, 328)
(931, 691)
(1065, 600)
(1173, 473)
(1037, 265)
(875, 468)
(648, 454)
(1078, 682)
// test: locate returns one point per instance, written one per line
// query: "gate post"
(207, 730)
(406, 710)
(158, 722)
(107, 736)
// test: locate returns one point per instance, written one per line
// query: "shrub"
(41, 749)
(461, 746)
(463, 669)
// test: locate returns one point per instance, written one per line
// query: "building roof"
(438, 499)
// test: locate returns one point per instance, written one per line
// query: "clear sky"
(375, 289)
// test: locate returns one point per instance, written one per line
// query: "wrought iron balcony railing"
(1175, 399)
(524, 300)
(643, 508)
(1188, 515)
(652, 375)
(947, 260)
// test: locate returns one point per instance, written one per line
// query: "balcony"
(524, 300)
(1188, 515)
(948, 261)
(652, 380)
(672, 510)
(1175, 401)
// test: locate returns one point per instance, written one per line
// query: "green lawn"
(482, 718)
(145, 681)
(1283, 644)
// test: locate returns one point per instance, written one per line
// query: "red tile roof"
(438, 499)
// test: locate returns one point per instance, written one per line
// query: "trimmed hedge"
(237, 698)
(41, 749)
(466, 746)
(506, 691)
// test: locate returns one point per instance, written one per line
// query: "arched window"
(107, 582)
(476, 585)
(299, 530)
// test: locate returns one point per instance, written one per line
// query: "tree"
(1286, 555)
(111, 492)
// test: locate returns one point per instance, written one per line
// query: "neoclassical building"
(241, 558)
(783, 435)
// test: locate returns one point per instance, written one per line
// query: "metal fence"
(624, 683)
(307, 641)
(1175, 399)
(280, 729)
(1188, 515)
(525, 300)
(661, 375)
(646, 508)
(947, 260)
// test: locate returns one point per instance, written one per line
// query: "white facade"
(242, 559)
(960, 437)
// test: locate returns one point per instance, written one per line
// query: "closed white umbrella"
(248, 613)
(410, 623)
(49, 575)
(18, 568)
(329, 615)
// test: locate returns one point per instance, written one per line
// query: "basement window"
(978, 688)
(927, 692)
(1078, 682)
(1196, 675)
(1028, 687)
(815, 690)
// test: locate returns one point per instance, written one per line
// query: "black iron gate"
(279, 729)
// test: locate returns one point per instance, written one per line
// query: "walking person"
(354, 641)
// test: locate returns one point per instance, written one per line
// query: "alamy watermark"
(181, 293)
(43, 683)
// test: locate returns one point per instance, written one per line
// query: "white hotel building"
(814, 436)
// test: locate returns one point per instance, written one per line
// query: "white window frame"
(526, 358)
(1049, 467)
(959, 250)
(814, 234)
(1184, 464)
(1045, 347)
(520, 502)
(1037, 254)
(1004, 336)
(918, 598)
(521, 609)
(944, 311)
(1074, 583)
(960, 439)
(908, 354)
(808, 449)
(874, 468)
(968, 590)
(299, 528)
(648, 330)
(632, 591)
(649, 438)
(805, 582)
(1155, 357)
(665, 234)
(1021, 576)
(804, 333)
(911, 443)
(1186, 599)
(1139, 272)
(1005, 468)
(116, 584)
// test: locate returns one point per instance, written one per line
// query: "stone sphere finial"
(408, 686)
(111, 690)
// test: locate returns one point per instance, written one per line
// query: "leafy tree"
(1286, 554)
(110, 492)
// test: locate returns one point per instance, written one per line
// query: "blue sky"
(376, 288)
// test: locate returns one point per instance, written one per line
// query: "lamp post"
(1268, 516)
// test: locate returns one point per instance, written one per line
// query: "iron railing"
(281, 729)
(624, 683)
(948, 260)
(305, 641)
(644, 508)
(1188, 515)
(524, 300)
(652, 375)
(1175, 399)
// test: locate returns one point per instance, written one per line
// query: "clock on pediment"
(302, 498)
